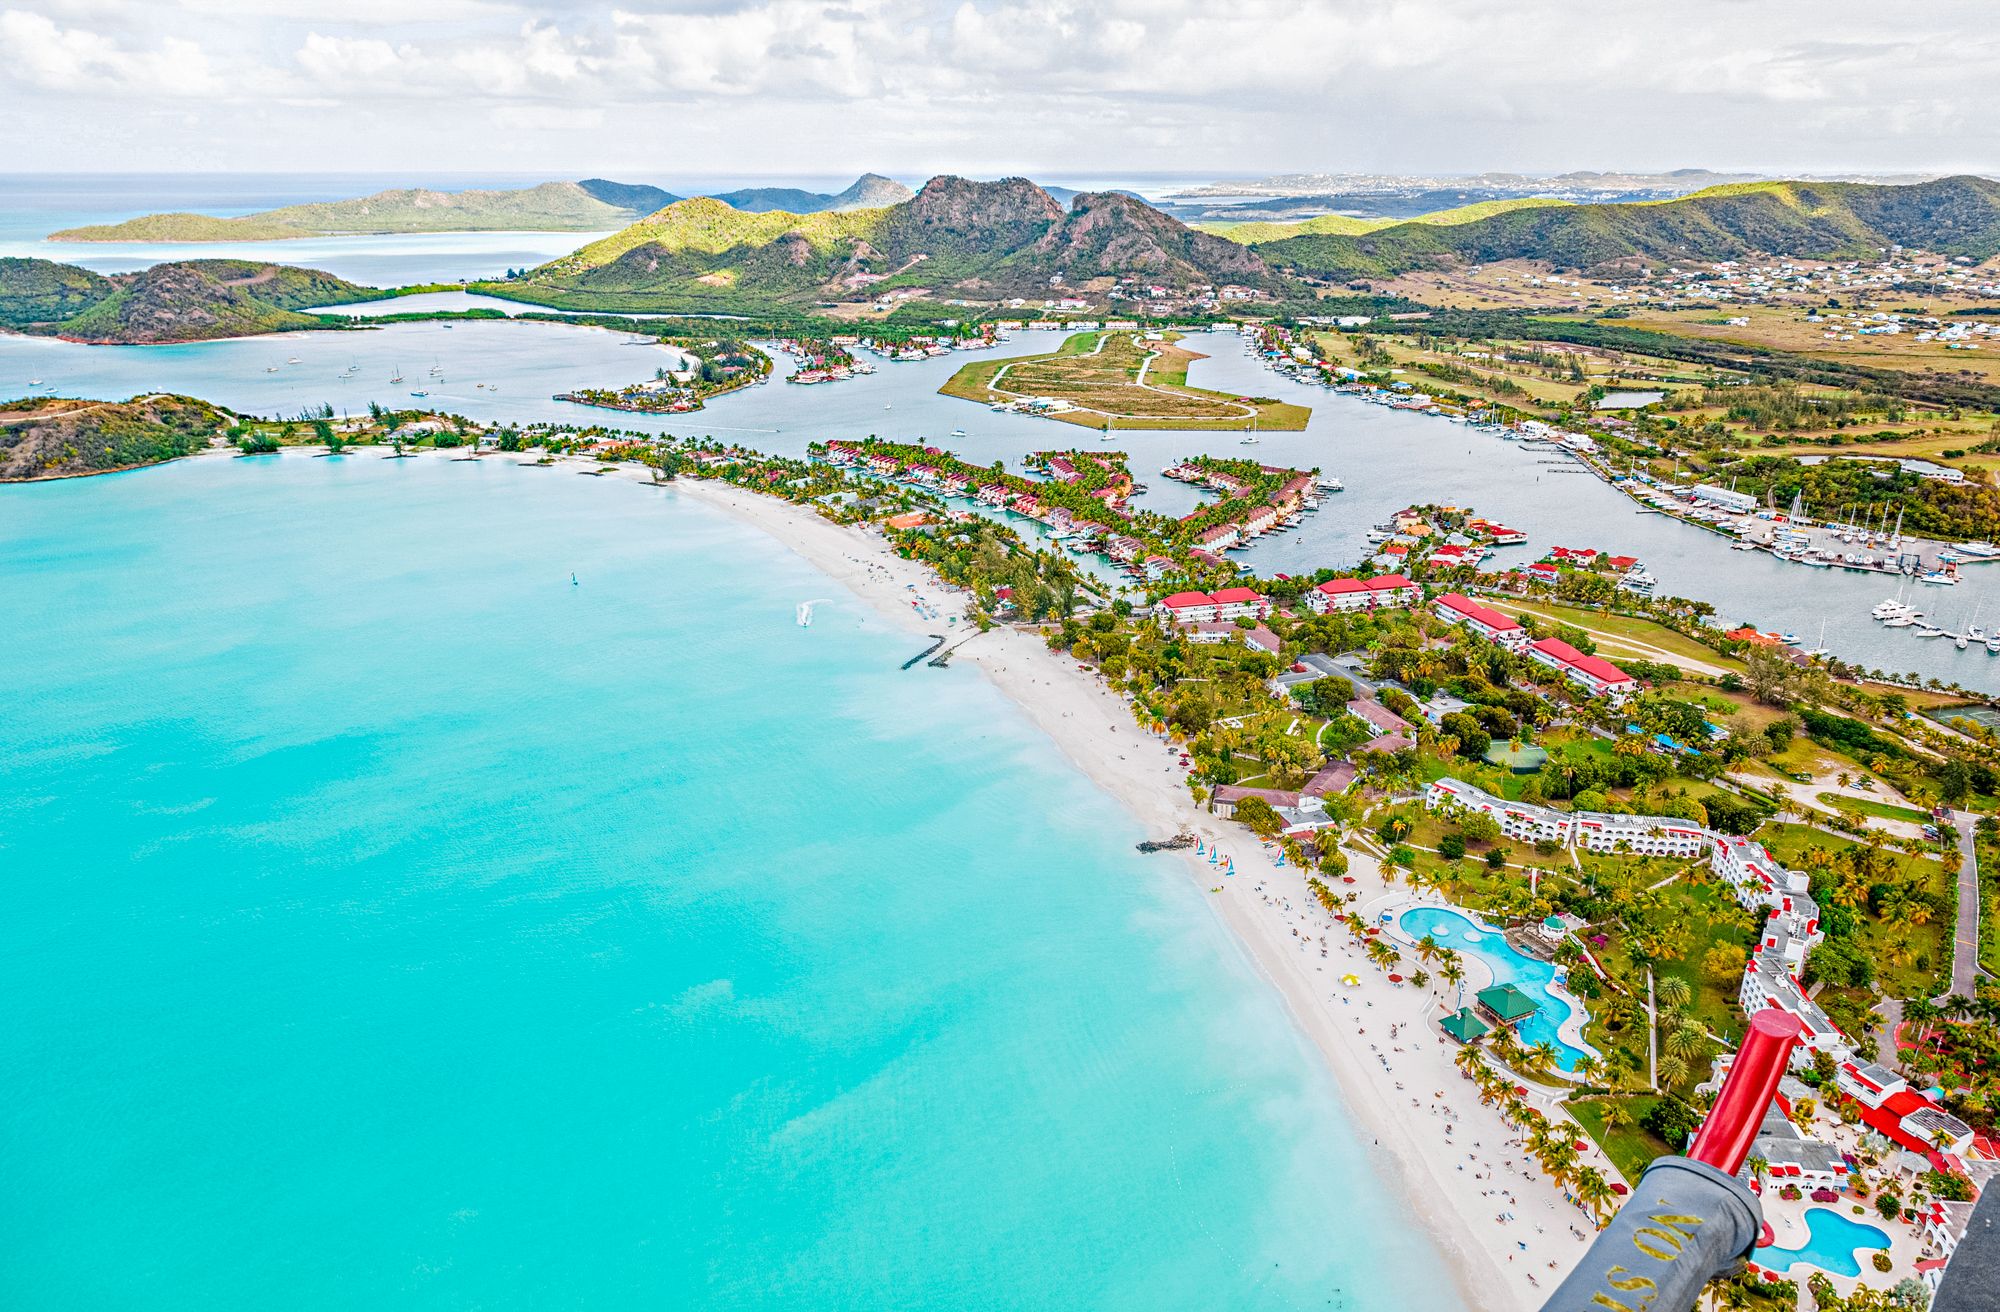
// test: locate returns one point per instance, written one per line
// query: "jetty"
(937, 641)
(1179, 842)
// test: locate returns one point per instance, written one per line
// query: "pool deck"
(1787, 1220)
(1388, 911)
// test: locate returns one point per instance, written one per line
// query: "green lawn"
(1626, 635)
(1881, 810)
(1630, 1147)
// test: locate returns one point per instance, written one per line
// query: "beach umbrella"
(1352, 981)
(1395, 979)
(1619, 1189)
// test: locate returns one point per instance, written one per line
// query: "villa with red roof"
(1186, 608)
(1594, 674)
(1245, 603)
(1362, 594)
(1490, 624)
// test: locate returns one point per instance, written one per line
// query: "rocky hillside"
(593, 205)
(954, 237)
(188, 301)
(1815, 220)
(55, 437)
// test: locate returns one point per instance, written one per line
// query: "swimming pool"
(1457, 931)
(1830, 1243)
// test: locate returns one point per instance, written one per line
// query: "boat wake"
(805, 613)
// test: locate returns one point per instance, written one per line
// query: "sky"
(1229, 88)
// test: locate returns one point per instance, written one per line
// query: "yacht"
(1977, 550)
(1902, 621)
(1938, 578)
(1639, 581)
(1328, 483)
(1925, 629)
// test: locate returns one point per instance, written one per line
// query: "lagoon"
(1388, 458)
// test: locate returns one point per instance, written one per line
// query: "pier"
(937, 641)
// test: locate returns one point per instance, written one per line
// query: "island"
(1117, 380)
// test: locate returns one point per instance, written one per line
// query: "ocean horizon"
(394, 922)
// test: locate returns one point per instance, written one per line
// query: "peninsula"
(1117, 379)
(590, 205)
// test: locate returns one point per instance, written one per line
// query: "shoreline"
(1289, 940)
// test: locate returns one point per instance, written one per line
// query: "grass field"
(1625, 635)
(1630, 1147)
(1114, 379)
(1881, 810)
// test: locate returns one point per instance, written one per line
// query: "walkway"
(1965, 938)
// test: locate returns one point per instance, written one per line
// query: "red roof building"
(1597, 676)
(1186, 608)
(1488, 623)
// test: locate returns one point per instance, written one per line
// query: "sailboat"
(397, 377)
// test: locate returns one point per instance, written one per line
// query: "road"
(1965, 940)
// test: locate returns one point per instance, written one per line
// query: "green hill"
(589, 206)
(1815, 220)
(869, 191)
(1340, 225)
(992, 239)
(56, 437)
(189, 301)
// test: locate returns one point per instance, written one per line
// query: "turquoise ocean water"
(386, 922)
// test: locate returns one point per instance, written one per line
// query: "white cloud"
(1050, 84)
(38, 54)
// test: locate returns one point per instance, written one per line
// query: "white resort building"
(1770, 977)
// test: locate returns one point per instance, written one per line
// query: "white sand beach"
(1510, 1232)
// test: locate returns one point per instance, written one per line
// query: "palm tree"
(1592, 1190)
(1540, 1059)
(1674, 993)
(1427, 949)
(1590, 1070)
(1468, 1060)
(1671, 1070)
(1454, 974)
(1759, 1167)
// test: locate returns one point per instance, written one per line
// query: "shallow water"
(391, 923)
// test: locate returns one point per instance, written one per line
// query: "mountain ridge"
(1007, 237)
(1825, 220)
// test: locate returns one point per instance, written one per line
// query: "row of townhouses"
(1593, 674)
